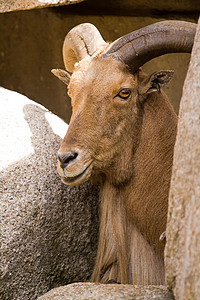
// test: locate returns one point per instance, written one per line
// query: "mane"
(133, 215)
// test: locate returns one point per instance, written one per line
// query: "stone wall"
(31, 43)
(183, 230)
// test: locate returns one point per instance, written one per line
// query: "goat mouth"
(78, 179)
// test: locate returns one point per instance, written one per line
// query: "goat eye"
(124, 93)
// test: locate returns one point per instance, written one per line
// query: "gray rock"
(12, 5)
(107, 292)
(183, 230)
(48, 230)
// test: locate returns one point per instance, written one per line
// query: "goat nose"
(66, 158)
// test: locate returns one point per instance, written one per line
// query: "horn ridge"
(80, 41)
(140, 46)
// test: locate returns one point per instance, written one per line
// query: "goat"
(122, 133)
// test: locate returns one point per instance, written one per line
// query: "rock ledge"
(107, 291)
(12, 5)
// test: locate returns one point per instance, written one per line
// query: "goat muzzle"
(74, 167)
(66, 158)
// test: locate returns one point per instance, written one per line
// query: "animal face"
(107, 97)
(103, 128)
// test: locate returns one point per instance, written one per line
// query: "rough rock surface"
(12, 5)
(183, 230)
(107, 292)
(48, 230)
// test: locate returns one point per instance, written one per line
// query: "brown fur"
(128, 145)
(138, 210)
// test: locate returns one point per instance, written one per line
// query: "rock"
(13, 5)
(48, 230)
(112, 7)
(107, 292)
(183, 229)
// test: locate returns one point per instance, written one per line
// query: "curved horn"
(81, 41)
(140, 46)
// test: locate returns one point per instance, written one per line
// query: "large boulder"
(48, 230)
(91, 291)
(183, 229)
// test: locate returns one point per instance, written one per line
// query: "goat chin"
(82, 177)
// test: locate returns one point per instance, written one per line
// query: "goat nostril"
(67, 158)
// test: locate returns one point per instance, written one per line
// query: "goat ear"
(63, 75)
(156, 81)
